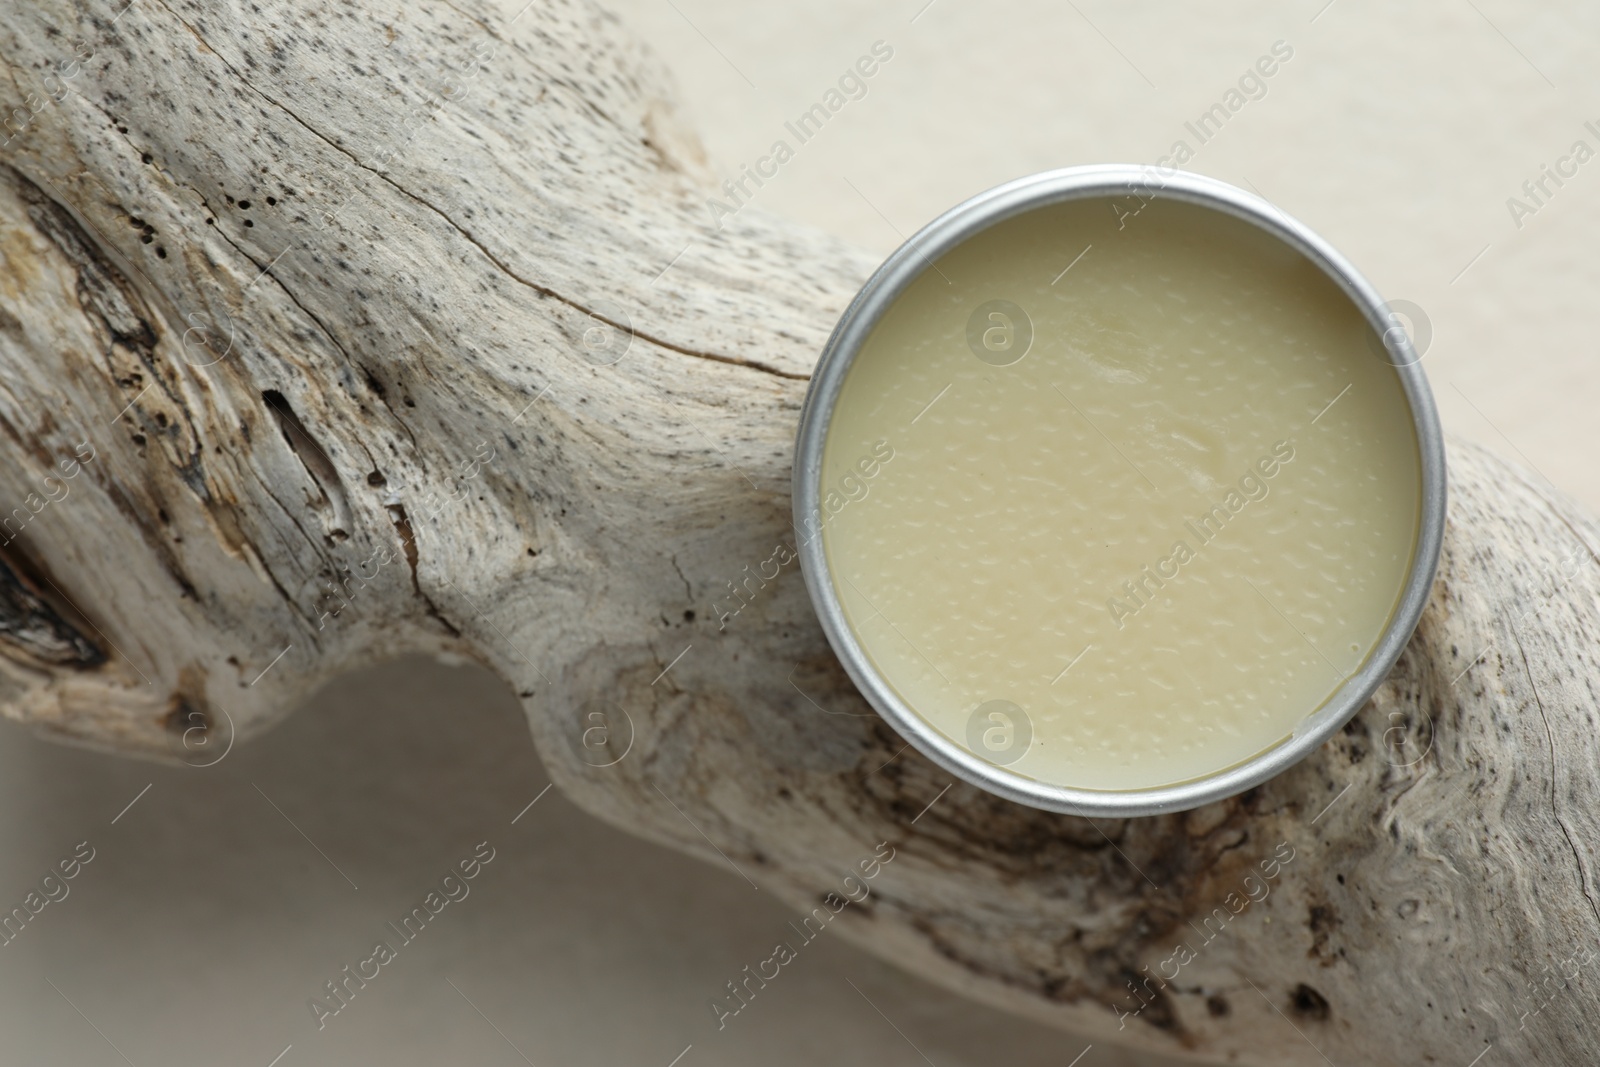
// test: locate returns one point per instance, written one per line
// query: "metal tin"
(956, 226)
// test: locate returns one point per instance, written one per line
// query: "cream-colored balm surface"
(1144, 491)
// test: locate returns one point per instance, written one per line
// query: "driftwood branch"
(330, 333)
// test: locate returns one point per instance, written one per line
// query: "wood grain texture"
(389, 328)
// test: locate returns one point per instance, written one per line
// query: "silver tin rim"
(880, 292)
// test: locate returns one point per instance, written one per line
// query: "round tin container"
(917, 255)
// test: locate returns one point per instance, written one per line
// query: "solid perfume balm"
(1154, 496)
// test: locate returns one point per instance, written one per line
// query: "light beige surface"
(206, 920)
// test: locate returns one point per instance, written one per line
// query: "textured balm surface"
(1124, 523)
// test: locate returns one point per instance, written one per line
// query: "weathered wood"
(365, 330)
